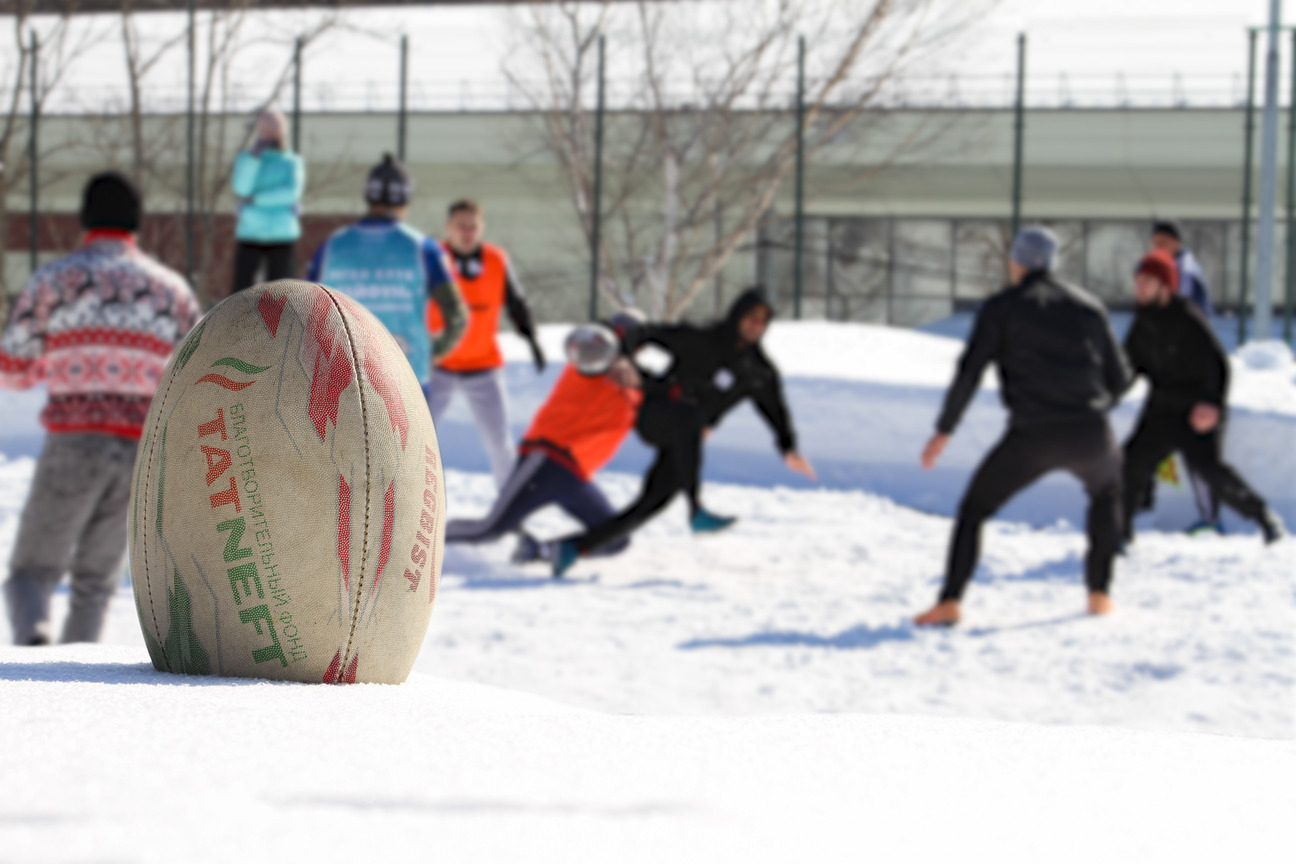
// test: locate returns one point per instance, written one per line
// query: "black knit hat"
(1169, 227)
(389, 183)
(111, 200)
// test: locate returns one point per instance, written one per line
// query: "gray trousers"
(74, 520)
(485, 394)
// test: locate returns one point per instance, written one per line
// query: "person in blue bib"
(394, 271)
(268, 182)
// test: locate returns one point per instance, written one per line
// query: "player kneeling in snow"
(712, 369)
(1060, 372)
(1173, 345)
(578, 429)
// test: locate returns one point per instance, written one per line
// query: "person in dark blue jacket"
(1167, 236)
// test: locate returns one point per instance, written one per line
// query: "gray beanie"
(592, 349)
(1035, 248)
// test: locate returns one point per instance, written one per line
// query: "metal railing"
(382, 94)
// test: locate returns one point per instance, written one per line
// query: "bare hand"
(624, 374)
(932, 452)
(800, 465)
(1204, 418)
(706, 433)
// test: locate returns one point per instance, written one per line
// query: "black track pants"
(1085, 448)
(675, 429)
(248, 257)
(1160, 433)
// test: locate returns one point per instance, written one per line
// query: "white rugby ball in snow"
(287, 509)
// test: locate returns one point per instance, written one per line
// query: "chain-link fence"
(909, 272)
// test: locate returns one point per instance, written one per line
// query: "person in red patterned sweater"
(96, 327)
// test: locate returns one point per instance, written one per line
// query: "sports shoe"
(705, 522)
(526, 550)
(1271, 526)
(1202, 526)
(565, 555)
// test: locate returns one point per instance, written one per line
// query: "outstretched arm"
(772, 405)
(444, 292)
(519, 313)
(1214, 360)
(982, 348)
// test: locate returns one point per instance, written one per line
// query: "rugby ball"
(288, 501)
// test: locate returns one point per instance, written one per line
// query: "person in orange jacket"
(576, 431)
(474, 367)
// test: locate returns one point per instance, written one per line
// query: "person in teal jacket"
(268, 181)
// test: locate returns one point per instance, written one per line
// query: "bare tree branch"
(708, 132)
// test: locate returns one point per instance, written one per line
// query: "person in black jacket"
(1173, 345)
(1060, 371)
(712, 370)
(1167, 235)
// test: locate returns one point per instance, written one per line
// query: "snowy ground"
(165, 768)
(804, 607)
(780, 705)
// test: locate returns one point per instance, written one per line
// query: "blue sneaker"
(705, 522)
(1205, 525)
(565, 555)
(1272, 527)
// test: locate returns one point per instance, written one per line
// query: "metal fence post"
(190, 181)
(1290, 294)
(1268, 184)
(404, 84)
(953, 271)
(33, 158)
(799, 242)
(1249, 135)
(296, 97)
(1019, 127)
(891, 268)
(596, 217)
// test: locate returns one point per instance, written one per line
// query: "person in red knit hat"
(1172, 344)
(96, 327)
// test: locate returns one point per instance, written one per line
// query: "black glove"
(537, 355)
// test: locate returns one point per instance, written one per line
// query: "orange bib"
(484, 297)
(583, 422)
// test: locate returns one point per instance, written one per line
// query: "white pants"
(485, 394)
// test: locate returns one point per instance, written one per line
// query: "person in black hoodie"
(1060, 372)
(1173, 345)
(712, 369)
